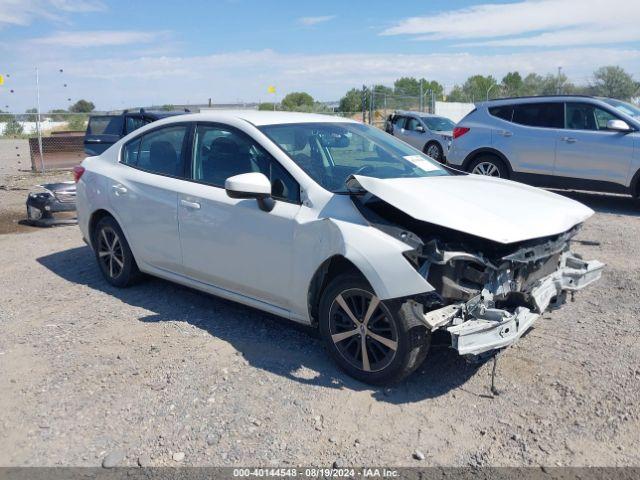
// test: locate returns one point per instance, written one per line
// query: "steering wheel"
(364, 170)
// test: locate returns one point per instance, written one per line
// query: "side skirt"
(553, 181)
(223, 293)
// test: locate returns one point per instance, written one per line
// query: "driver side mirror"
(618, 126)
(251, 185)
(420, 129)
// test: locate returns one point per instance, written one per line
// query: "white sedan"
(333, 224)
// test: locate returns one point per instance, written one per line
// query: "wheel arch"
(487, 151)
(634, 187)
(434, 141)
(99, 214)
(327, 271)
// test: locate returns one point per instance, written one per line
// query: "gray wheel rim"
(434, 152)
(362, 330)
(486, 168)
(110, 252)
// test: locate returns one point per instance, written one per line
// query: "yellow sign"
(1, 80)
(271, 89)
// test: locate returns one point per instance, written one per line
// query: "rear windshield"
(438, 124)
(105, 125)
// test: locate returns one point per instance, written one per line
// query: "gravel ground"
(158, 374)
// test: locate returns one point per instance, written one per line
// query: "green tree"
(479, 88)
(352, 101)
(556, 84)
(13, 128)
(408, 86)
(59, 115)
(82, 106)
(31, 117)
(614, 82)
(457, 94)
(297, 101)
(433, 86)
(512, 85)
(168, 107)
(532, 84)
(267, 106)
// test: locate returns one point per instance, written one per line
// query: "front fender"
(377, 256)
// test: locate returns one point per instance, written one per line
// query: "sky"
(137, 52)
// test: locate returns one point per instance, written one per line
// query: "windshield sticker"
(422, 163)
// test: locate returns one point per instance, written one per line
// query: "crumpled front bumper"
(476, 327)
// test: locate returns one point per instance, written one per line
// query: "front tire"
(113, 254)
(377, 342)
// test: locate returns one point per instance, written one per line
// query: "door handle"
(569, 139)
(191, 205)
(505, 133)
(119, 190)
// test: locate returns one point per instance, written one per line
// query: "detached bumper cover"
(53, 198)
(476, 327)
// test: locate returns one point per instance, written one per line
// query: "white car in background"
(334, 224)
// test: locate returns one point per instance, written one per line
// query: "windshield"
(331, 152)
(624, 107)
(438, 124)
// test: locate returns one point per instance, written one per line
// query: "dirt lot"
(162, 375)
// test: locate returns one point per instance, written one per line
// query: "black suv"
(105, 130)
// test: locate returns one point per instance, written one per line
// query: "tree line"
(608, 81)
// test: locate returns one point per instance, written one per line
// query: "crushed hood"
(492, 208)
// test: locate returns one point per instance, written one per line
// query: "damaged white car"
(334, 224)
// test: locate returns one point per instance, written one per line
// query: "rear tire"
(395, 341)
(113, 254)
(488, 165)
(434, 150)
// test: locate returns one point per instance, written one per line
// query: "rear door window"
(399, 122)
(162, 151)
(545, 115)
(505, 112)
(105, 125)
(130, 153)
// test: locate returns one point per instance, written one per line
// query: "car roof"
(417, 114)
(536, 99)
(260, 118)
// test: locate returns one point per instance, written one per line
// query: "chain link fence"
(55, 139)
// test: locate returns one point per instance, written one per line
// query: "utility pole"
(372, 100)
(38, 125)
(559, 86)
(364, 104)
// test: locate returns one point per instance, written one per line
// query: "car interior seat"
(163, 157)
(225, 160)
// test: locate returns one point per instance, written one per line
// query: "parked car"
(576, 142)
(105, 130)
(334, 224)
(428, 133)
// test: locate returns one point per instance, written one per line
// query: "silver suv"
(429, 133)
(579, 142)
